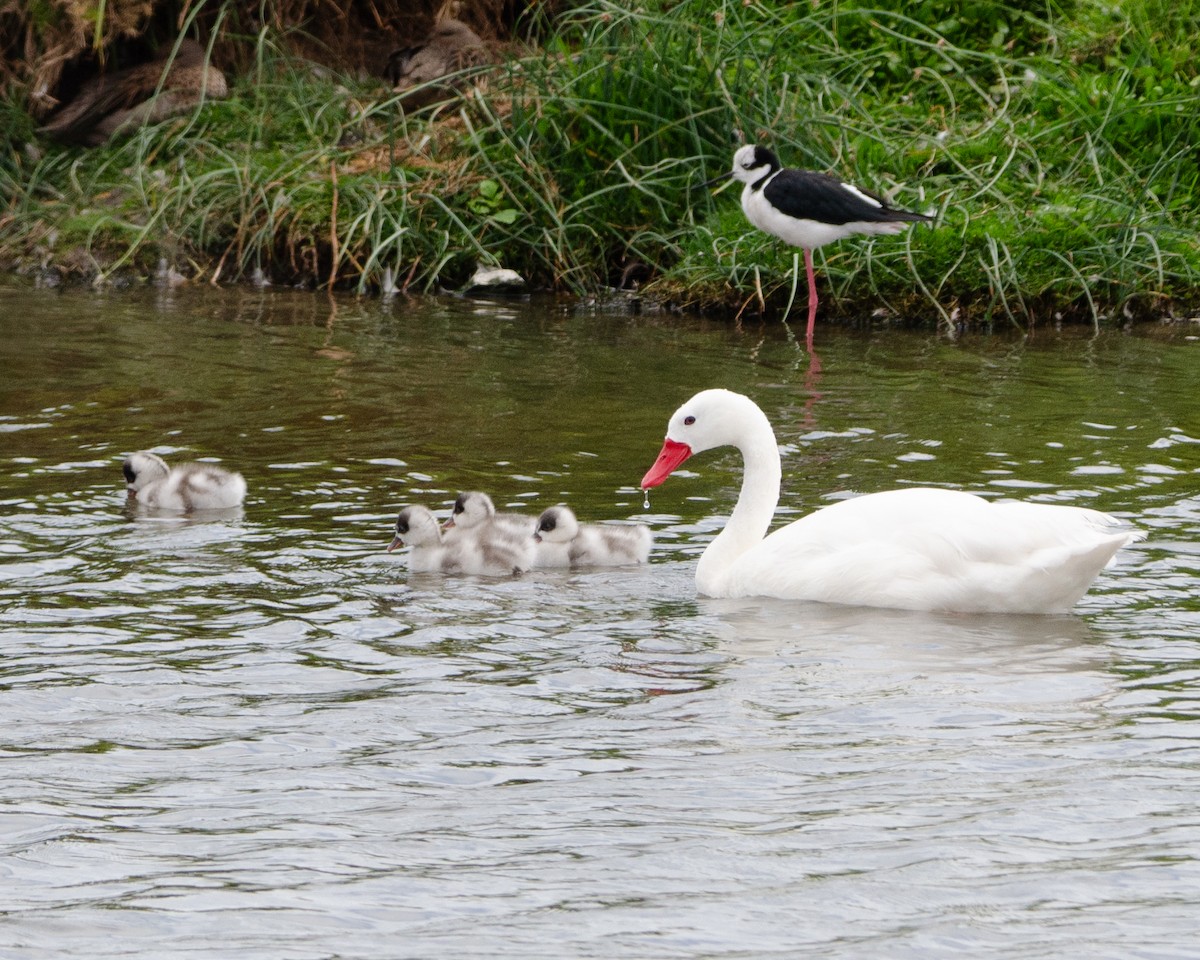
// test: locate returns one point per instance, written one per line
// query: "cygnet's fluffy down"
(563, 541)
(184, 489)
(474, 512)
(479, 555)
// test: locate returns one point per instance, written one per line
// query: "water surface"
(255, 734)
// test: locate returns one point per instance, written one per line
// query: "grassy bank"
(1060, 145)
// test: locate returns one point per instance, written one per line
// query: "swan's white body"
(562, 541)
(430, 553)
(913, 549)
(183, 489)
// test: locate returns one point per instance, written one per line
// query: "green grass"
(1058, 143)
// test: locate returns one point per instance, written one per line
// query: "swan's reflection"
(825, 656)
(942, 641)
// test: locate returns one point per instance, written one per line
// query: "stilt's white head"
(751, 163)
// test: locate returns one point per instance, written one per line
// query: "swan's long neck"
(751, 516)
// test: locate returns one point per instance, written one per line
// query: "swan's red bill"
(671, 456)
(395, 544)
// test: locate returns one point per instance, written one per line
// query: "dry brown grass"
(36, 51)
(47, 46)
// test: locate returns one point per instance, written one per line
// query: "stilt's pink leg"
(812, 297)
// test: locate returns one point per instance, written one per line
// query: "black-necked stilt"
(809, 209)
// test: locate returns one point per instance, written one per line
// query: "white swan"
(480, 556)
(914, 549)
(188, 487)
(563, 541)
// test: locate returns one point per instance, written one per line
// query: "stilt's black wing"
(808, 195)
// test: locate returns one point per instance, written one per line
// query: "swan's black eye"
(688, 421)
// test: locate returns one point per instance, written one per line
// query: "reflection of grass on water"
(1062, 153)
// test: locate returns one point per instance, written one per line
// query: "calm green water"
(257, 736)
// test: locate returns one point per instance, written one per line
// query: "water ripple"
(256, 734)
